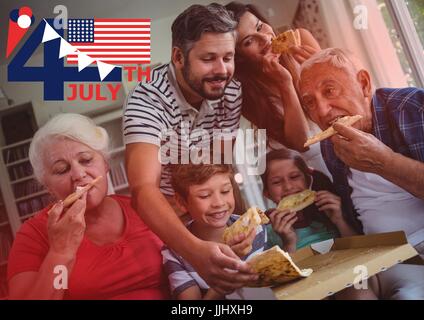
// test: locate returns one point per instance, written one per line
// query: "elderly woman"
(98, 248)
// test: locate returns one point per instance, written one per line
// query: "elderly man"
(378, 164)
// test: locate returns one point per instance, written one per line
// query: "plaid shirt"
(398, 122)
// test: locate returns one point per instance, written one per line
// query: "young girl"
(286, 174)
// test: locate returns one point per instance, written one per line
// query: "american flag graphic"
(114, 41)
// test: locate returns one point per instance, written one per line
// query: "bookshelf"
(16, 182)
(21, 196)
(27, 194)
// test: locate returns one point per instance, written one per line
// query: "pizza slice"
(284, 41)
(244, 225)
(347, 120)
(69, 200)
(274, 267)
(297, 201)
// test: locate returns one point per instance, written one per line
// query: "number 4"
(53, 74)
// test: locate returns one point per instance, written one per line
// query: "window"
(416, 10)
(405, 23)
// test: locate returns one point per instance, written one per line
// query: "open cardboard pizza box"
(334, 270)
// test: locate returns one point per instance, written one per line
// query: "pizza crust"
(79, 192)
(348, 121)
(284, 41)
(298, 201)
(244, 225)
(274, 267)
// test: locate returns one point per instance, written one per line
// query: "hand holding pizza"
(241, 244)
(330, 204)
(302, 53)
(290, 63)
(282, 223)
(272, 68)
(360, 150)
(66, 228)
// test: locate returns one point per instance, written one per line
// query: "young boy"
(205, 192)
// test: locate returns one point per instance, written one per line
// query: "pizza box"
(338, 268)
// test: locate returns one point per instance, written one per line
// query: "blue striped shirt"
(398, 122)
(181, 274)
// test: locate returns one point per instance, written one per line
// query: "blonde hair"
(68, 125)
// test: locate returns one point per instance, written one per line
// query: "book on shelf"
(17, 153)
(118, 175)
(33, 205)
(27, 188)
(20, 171)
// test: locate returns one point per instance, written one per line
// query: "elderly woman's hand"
(66, 228)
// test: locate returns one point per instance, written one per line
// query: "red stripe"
(114, 50)
(116, 62)
(120, 38)
(122, 20)
(99, 28)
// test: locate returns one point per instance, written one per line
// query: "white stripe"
(129, 23)
(122, 41)
(111, 47)
(122, 29)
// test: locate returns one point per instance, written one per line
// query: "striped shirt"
(157, 110)
(181, 274)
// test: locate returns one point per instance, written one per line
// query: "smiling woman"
(93, 238)
(270, 82)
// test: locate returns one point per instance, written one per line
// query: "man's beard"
(198, 86)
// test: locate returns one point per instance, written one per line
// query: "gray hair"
(189, 26)
(339, 58)
(67, 125)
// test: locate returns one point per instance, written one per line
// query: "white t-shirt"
(383, 206)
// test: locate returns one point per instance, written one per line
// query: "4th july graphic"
(78, 53)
